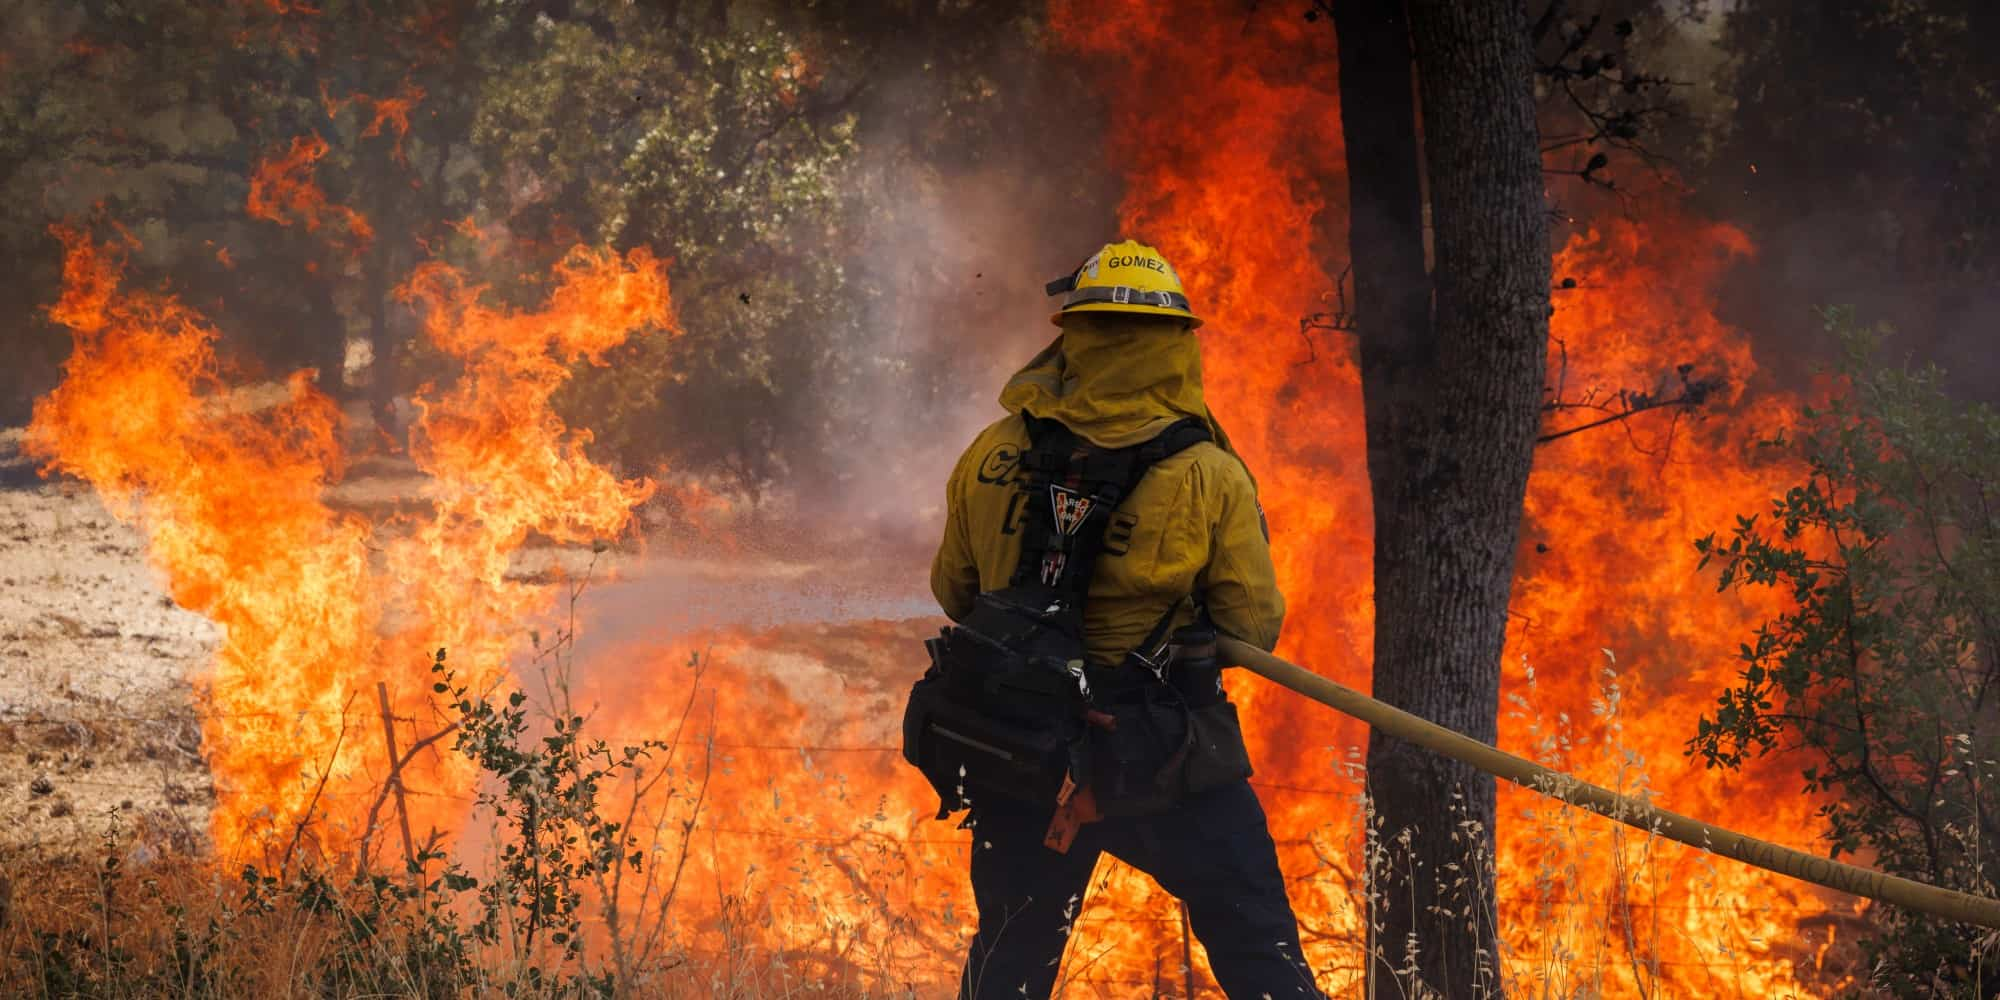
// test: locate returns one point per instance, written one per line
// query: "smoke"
(963, 265)
(949, 258)
(1869, 189)
(953, 259)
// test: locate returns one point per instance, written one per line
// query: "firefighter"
(1186, 547)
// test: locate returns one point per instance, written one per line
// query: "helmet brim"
(1193, 321)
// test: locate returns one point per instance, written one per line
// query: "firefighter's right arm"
(954, 574)
(1239, 584)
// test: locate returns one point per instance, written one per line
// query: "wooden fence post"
(396, 777)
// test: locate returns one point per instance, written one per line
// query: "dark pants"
(1212, 851)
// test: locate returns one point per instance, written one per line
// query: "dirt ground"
(97, 727)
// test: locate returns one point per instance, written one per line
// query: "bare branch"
(1625, 404)
(1340, 319)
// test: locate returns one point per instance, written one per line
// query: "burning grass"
(600, 867)
(784, 836)
(810, 843)
(318, 605)
(134, 920)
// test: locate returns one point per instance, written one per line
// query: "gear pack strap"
(1073, 489)
(1152, 650)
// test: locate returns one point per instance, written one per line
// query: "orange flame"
(292, 25)
(230, 501)
(282, 190)
(501, 464)
(786, 797)
(1236, 183)
(392, 113)
(230, 489)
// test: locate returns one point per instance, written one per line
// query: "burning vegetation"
(316, 604)
(556, 457)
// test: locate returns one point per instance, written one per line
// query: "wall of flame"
(318, 605)
(782, 823)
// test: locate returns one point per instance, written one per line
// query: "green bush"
(337, 929)
(1885, 672)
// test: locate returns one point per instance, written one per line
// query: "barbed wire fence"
(429, 741)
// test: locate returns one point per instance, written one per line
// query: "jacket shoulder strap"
(1073, 488)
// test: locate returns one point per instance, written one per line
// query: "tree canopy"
(284, 166)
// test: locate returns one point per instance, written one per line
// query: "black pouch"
(1138, 755)
(969, 755)
(1194, 672)
(1164, 741)
(1158, 750)
(998, 714)
(1216, 754)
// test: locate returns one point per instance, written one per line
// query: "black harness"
(1073, 490)
(1001, 710)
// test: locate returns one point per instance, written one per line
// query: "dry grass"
(179, 928)
(135, 916)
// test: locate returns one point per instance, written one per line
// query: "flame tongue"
(1238, 187)
(282, 190)
(230, 502)
(501, 464)
(230, 496)
(1235, 186)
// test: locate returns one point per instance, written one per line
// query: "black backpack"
(1001, 711)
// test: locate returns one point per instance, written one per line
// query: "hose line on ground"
(1391, 721)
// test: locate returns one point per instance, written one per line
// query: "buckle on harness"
(1052, 568)
(1158, 662)
(1121, 294)
(1075, 668)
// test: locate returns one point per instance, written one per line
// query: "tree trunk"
(326, 336)
(1452, 381)
(1392, 289)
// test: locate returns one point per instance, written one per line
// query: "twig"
(698, 662)
(1340, 320)
(325, 772)
(1625, 404)
(687, 829)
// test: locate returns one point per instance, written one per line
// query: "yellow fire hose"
(1946, 903)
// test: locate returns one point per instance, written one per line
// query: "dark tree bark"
(1453, 365)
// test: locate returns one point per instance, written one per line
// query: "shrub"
(1886, 670)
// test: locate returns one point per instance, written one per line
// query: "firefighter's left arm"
(1239, 584)
(954, 574)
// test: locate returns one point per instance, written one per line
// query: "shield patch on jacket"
(1071, 509)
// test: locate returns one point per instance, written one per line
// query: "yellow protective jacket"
(1192, 525)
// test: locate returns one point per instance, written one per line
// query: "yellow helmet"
(1127, 277)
